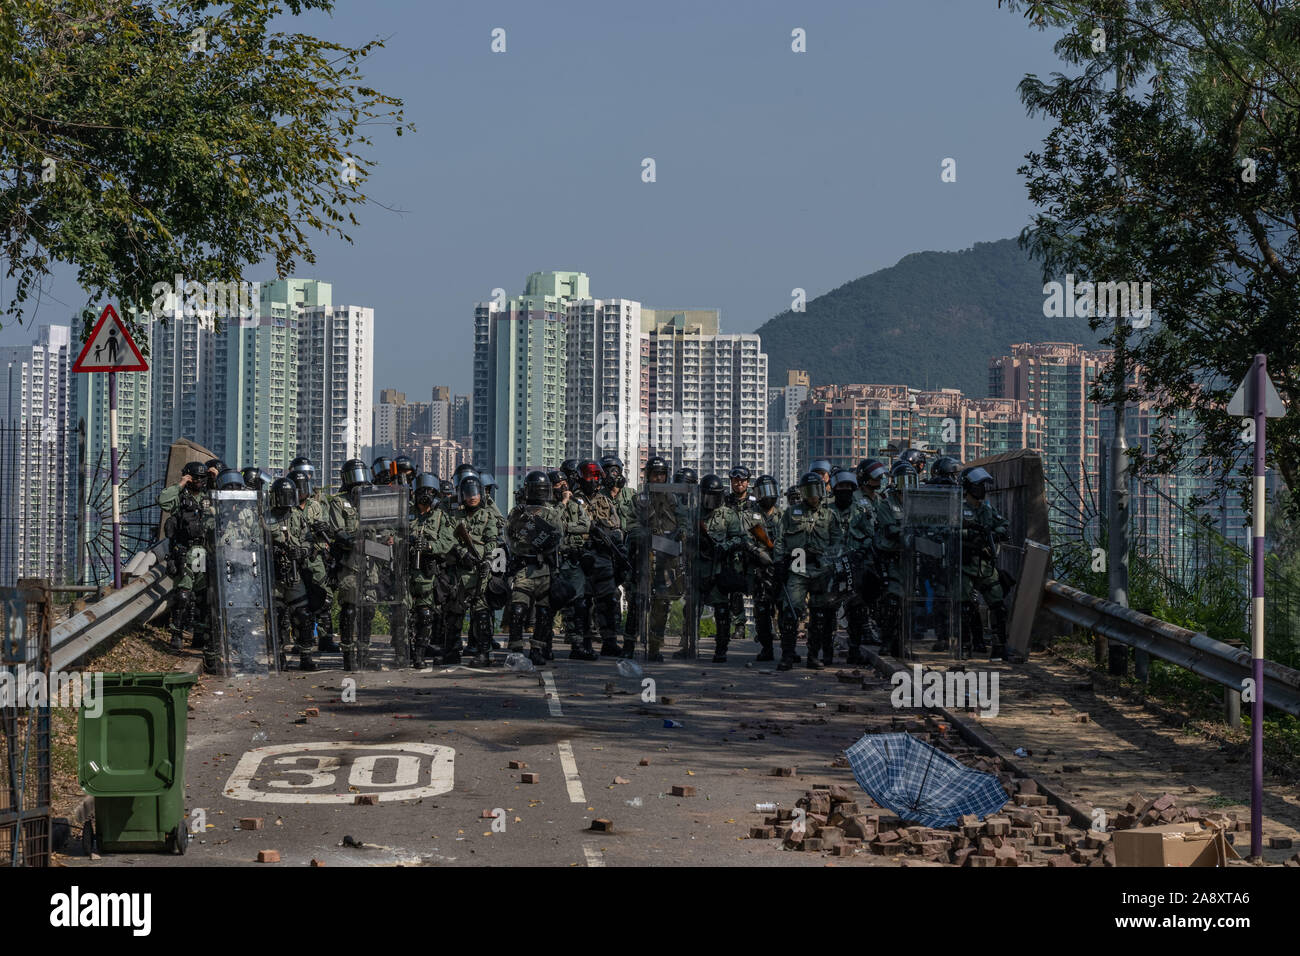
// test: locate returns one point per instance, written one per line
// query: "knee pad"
(518, 615)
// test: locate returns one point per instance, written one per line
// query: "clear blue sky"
(774, 169)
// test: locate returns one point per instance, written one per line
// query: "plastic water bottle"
(519, 662)
(629, 668)
(671, 723)
(766, 807)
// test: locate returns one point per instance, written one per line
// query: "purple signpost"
(1257, 399)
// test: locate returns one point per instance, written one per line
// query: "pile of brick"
(1140, 812)
(1027, 832)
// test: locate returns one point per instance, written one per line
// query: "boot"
(722, 624)
(766, 653)
(855, 655)
(178, 640)
(583, 651)
(305, 662)
(789, 635)
(609, 646)
(325, 642)
(349, 658)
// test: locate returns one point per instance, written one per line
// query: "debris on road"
(268, 856)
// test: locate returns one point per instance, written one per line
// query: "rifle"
(606, 540)
(467, 541)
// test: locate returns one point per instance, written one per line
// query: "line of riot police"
(265, 560)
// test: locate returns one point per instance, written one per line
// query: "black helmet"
(284, 494)
(215, 464)
(871, 469)
(353, 473)
(812, 488)
(655, 466)
(381, 472)
(977, 482)
(447, 488)
(255, 478)
(766, 491)
(489, 483)
(463, 469)
(569, 469)
(944, 470)
(537, 488)
(559, 484)
(712, 493)
(405, 469)
(914, 457)
(740, 471)
(425, 488)
(590, 476)
(686, 476)
(198, 473)
(844, 477)
(304, 476)
(229, 480)
(469, 487)
(903, 474)
(612, 466)
(792, 495)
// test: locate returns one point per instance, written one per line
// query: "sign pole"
(112, 457)
(1257, 618)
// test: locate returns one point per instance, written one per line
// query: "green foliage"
(1184, 176)
(180, 136)
(933, 319)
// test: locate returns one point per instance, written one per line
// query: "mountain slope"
(934, 319)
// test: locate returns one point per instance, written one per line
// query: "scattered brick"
(1279, 843)
(783, 771)
(683, 791)
(251, 823)
(268, 856)
(316, 862)
(518, 765)
(643, 762)
(601, 825)
(760, 833)
(530, 778)
(366, 800)
(311, 712)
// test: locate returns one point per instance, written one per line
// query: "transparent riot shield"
(666, 545)
(379, 553)
(931, 569)
(244, 582)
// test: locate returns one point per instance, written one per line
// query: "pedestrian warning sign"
(110, 348)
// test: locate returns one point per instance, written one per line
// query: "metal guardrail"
(142, 598)
(1203, 655)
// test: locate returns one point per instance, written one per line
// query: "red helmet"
(590, 476)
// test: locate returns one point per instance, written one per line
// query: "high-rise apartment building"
(602, 383)
(335, 386)
(706, 392)
(783, 403)
(38, 504)
(520, 368)
(258, 365)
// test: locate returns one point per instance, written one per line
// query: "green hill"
(933, 320)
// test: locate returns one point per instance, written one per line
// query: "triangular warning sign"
(110, 348)
(1245, 402)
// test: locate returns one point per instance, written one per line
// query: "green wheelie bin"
(132, 761)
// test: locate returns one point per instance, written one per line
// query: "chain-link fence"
(25, 613)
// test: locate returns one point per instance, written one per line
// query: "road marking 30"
(570, 766)
(333, 772)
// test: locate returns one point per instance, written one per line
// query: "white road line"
(593, 855)
(552, 696)
(570, 766)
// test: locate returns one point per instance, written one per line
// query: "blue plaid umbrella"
(922, 783)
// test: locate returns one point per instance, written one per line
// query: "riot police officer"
(477, 528)
(405, 470)
(944, 471)
(294, 570)
(303, 474)
(354, 619)
(533, 533)
(983, 529)
(889, 549)
(431, 587)
(723, 548)
(808, 537)
(857, 522)
(571, 578)
(189, 522)
(381, 471)
(606, 549)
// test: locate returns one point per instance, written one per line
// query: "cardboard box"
(1175, 844)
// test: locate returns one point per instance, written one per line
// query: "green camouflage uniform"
(431, 584)
(530, 584)
(982, 529)
(471, 576)
(576, 523)
(816, 535)
(190, 525)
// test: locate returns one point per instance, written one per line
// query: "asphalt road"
(434, 748)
